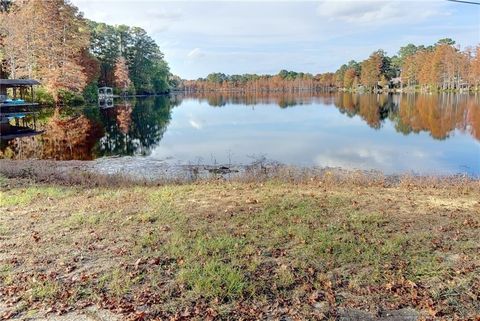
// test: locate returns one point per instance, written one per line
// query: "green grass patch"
(284, 277)
(3, 180)
(119, 282)
(213, 279)
(82, 219)
(22, 197)
(149, 240)
(43, 290)
(3, 229)
(337, 201)
(425, 266)
(6, 274)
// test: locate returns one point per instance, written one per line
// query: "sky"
(237, 37)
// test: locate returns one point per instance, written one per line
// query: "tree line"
(284, 81)
(442, 66)
(71, 56)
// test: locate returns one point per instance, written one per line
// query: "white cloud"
(361, 158)
(383, 158)
(166, 15)
(378, 12)
(196, 54)
(149, 15)
(195, 124)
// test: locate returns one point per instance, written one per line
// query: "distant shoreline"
(328, 90)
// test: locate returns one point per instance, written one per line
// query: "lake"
(400, 133)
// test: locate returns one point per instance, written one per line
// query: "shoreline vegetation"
(72, 56)
(85, 173)
(334, 245)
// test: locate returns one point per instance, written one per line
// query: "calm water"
(424, 134)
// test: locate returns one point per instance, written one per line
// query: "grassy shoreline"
(305, 249)
(86, 173)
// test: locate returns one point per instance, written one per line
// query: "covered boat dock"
(20, 89)
(17, 115)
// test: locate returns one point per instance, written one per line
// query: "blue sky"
(200, 37)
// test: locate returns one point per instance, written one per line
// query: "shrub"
(90, 93)
(43, 97)
(129, 92)
(70, 98)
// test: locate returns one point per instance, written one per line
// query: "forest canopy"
(52, 42)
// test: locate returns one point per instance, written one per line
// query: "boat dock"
(17, 115)
(20, 89)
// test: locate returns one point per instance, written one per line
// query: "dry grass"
(78, 173)
(242, 249)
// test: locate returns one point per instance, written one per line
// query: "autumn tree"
(3, 31)
(64, 36)
(349, 78)
(444, 67)
(44, 40)
(10, 29)
(122, 79)
(371, 71)
(474, 74)
(90, 64)
(410, 69)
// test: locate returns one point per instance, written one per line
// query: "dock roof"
(18, 82)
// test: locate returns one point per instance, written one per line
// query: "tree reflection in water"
(131, 128)
(135, 130)
(65, 137)
(438, 115)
